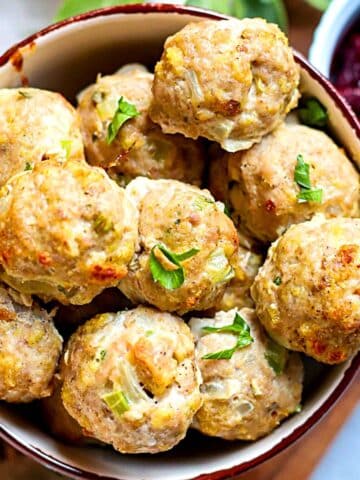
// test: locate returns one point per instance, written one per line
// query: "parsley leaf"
(302, 178)
(277, 281)
(124, 112)
(169, 278)
(240, 328)
(313, 113)
(276, 356)
(27, 167)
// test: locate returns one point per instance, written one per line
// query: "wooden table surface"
(298, 461)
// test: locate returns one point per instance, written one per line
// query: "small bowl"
(66, 57)
(334, 25)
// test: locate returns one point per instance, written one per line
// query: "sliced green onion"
(313, 113)
(117, 402)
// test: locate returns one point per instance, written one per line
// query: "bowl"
(334, 25)
(66, 57)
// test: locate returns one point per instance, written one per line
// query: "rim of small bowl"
(225, 474)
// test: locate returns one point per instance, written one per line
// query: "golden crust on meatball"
(230, 81)
(36, 125)
(246, 396)
(140, 147)
(259, 184)
(184, 222)
(130, 379)
(66, 231)
(307, 292)
(237, 293)
(30, 347)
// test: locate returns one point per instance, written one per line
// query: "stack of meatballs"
(179, 307)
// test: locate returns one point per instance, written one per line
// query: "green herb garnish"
(302, 178)
(240, 328)
(102, 225)
(313, 113)
(298, 408)
(276, 356)
(66, 145)
(169, 278)
(117, 402)
(124, 112)
(277, 281)
(102, 354)
(227, 209)
(27, 167)
(201, 202)
(24, 94)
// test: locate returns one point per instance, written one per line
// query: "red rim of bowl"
(227, 474)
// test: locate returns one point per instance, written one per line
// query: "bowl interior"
(66, 59)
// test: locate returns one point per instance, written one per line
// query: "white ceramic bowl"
(334, 24)
(66, 57)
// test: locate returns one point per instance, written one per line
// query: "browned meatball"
(230, 81)
(260, 184)
(140, 147)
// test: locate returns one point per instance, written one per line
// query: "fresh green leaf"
(124, 112)
(69, 8)
(27, 167)
(277, 281)
(240, 328)
(272, 10)
(319, 4)
(173, 278)
(312, 113)
(117, 402)
(314, 196)
(302, 173)
(276, 356)
(302, 178)
(222, 6)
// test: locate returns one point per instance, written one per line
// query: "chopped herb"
(148, 333)
(28, 167)
(24, 94)
(302, 173)
(66, 146)
(227, 210)
(276, 356)
(313, 113)
(177, 221)
(277, 281)
(124, 112)
(302, 178)
(314, 196)
(201, 202)
(102, 225)
(173, 277)
(298, 408)
(117, 402)
(102, 354)
(240, 328)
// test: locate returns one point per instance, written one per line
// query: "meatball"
(130, 379)
(186, 247)
(140, 147)
(230, 81)
(260, 184)
(60, 235)
(58, 421)
(237, 294)
(36, 125)
(246, 396)
(307, 292)
(30, 347)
